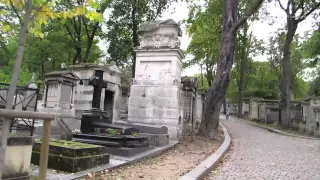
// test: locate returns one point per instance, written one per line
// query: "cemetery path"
(257, 154)
(170, 165)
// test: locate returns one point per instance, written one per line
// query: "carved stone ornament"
(160, 41)
(175, 82)
(133, 81)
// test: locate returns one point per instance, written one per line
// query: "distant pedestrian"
(227, 114)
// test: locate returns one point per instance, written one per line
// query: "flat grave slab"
(69, 156)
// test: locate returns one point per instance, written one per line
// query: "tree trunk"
(224, 106)
(42, 71)
(240, 88)
(286, 74)
(134, 36)
(77, 57)
(14, 81)
(244, 53)
(216, 92)
(90, 42)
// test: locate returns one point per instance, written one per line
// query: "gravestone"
(59, 98)
(311, 115)
(155, 90)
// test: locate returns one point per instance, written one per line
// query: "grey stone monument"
(156, 89)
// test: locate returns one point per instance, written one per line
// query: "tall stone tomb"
(155, 93)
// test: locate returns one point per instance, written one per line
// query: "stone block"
(157, 140)
(137, 91)
(144, 128)
(127, 152)
(302, 128)
(17, 158)
(71, 156)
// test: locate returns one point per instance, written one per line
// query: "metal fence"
(25, 99)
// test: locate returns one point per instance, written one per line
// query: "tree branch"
(282, 7)
(303, 15)
(246, 16)
(86, 27)
(69, 32)
(16, 12)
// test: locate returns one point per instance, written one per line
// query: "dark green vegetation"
(67, 144)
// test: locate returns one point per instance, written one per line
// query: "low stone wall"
(18, 157)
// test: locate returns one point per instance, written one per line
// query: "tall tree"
(123, 25)
(217, 90)
(204, 27)
(296, 12)
(30, 15)
(82, 29)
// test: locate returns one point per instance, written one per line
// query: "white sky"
(262, 30)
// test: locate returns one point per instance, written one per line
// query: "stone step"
(98, 142)
(157, 140)
(127, 130)
(120, 141)
(144, 128)
(127, 152)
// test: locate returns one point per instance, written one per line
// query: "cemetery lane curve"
(257, 154)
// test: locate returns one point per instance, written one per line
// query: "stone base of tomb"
(156, 104)
(17, 158)
(71, 156)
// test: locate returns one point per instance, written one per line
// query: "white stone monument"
(156, 89)
(59, 92)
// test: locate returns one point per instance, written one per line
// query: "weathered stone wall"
(156, 105)
(311, 116)
(199, 107)
(253, 109)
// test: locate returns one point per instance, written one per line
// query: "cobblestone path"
(258, 154)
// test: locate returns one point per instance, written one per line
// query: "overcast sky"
(262, 30)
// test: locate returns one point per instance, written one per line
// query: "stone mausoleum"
(155, 94)
(68, 91)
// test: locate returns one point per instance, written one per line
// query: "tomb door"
(108, 102)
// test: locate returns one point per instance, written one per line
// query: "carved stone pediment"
(160, 41)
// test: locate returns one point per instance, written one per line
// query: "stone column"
(155, 90)
(58, 102)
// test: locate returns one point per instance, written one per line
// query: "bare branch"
(282, 7)
(16, 12)
(293, 7)
(303, 15)
(85, 27)
(69, 32)
(246, 16)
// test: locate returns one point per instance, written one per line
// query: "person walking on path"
(227, 114)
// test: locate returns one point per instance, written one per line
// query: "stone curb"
(276, 130)
(211, 162)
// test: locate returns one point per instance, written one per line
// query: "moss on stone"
(67, 144)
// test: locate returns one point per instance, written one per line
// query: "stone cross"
(98, 83)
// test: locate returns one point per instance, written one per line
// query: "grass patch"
(67, 144)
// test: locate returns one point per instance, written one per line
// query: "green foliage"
(204, 25)
(261, 81)
(112, 132)
(135, 134)
(202, 82)
(315, 87)
(123, 24)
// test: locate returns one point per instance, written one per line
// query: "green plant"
(112, 132)
(136, 134)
